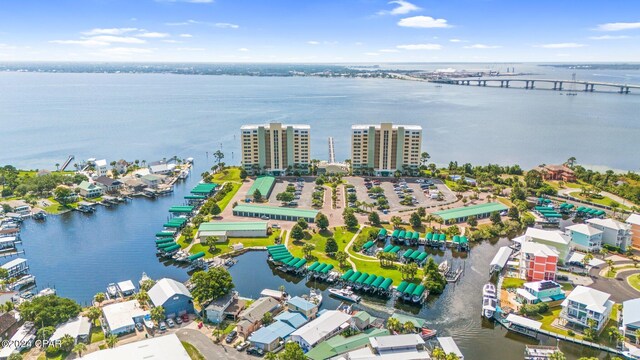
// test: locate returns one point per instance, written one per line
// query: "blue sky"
(320, 30)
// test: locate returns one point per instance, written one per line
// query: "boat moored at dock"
(344, 294)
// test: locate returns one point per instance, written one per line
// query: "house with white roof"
(159, 347)
(585, 237)
(553, 238)
(126, 288)
(540, 291)
(634, 221)
(173, 296)
(630, 318)
(584, 304)
(121, 318)
(101, 168)
(79, 328)
(323, 327)
(615, 233)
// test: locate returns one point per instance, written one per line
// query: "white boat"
(112, 291)
(315, 296)
(47, 291)
(148, 322)
(488, 307)
(443, 267)
(143, 278)
(344, 294)
(489, 290)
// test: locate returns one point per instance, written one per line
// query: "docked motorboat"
(489, 290)
(143, 279)
(112, 291)
(488, 307)
(23, 282)
(344, 294)
(47, 291)
(315, 296)
(148, 322)
(443, 267)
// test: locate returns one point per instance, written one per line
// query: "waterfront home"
(634, 221)
(20, 207)
(224, 230)
(152, 181)
(500, 260)
(630, 317)
(134, 184)
(540, 291)
(126, 288)
(162, 169)
(538, 262)
(121, 166)
(557, 172)
(173, 296)
(108, 184)
(16, 267)
(22, 339)
(338, 345)
(615, 233)
(101, 168)
(89, 190)
(79, 328)
(553, 238)
(215, 311)
(449, 346)
(363, 320)
(585, 237)
(251, 317)
(397, 344)
(585, 303)
(121, 318)
(9, 324)
(326, 325)
(159, 347)
(273, 336)
(302, 306)
(460, 214)
(294, 319)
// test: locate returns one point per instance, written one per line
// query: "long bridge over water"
(529, 84)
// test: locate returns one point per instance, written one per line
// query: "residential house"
(122, 166)
(121, 317)
(159, 347)
(271, 337)
(215, 311)
(173, 296)
(79, 328)
(251, 317)
(16, 267)
(306, 308)
(557, 172)
(634, 221)
(135, 184)
(584, 304)
(407, 346)
(323, 327)
(553, 238)
(538, 261)
(540, 291)
(615, 233)
(9, 324)
(294, 319)
(101, 168)
(162, 169)
(151, 180)
(90, 190)
(338, 345)
(630, 317)
(108, 184)
(585, 237)
(363, 320)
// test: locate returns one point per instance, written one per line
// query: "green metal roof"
(402, 234)
(386, 284)
(403, 285)
(408, 235)
(230, 226)
(367, 245)
(327, 269)
(395, 233)
(346, 275)
(417, 322)
(407, 253)
(355, 276)
(300, 263)
(463, 212)
(196, 256)
(382, 232)
(387, 248)
(415, 255)
(429, 236)
(422, 256)
(166, 245)
(275, 210)
(395, 249)
(204, 188)
(419, 290)
(164, 240)
(362, 278)
(172, 225)
(269, 247)
(171, 248)
(376, 283)
(409, 289)
(181, 209)
(370, 279)
(195, 197)
(164, 234)
(339, 344)
(416, 235)
(263, 183)
(314, 266)
(321, 267)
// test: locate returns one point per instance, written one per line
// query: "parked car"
(264, 217)
(162, 326)
(170, 323)
(139, 326)
(275, 226)
(242, 346)
(255, 351)
(232, 336)
(185, 317)
(178, 321)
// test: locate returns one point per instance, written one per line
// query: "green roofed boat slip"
(362, 278)
(408, 235)
(379, 280)
(321, 267)
(181, 209)
(402, 234)
(355, 276)
(422, 256)
(407, 253)
(419, 290)
(456, 239)
(386, 284)
(346, 275)
(416, 236)
(368, 245)
(327, 269)
(463, 240)
(395, 249)
(195, 197)
(164, 240)
(403, 285)
(369, 279)
(300, 263)
(269, 247)
(442, 237)
(382, 232)
(387, 248)
(415, 254)
(409, 289)
(429, 236)
(171, 248)
(314, 266)
(164, 234)
(166, 245)
(395, 233)
(196, 256)
(293, 261)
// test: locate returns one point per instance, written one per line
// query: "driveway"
(208, 349)
(618, 287)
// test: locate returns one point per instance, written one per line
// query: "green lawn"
(229, 174)
(505, 201)
(547, 318)
(227, 198)
(508, 283)
(61, 356)
(96, 332)
(634, 281)
(225, 246)
(194, 354)
(373, 267)
(221, 248)
(566, 286)
(254, 242)
(606, 201)
(319, 240)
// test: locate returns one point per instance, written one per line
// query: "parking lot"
(303, 198)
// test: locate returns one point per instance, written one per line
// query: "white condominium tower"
(275, 149)
(383, 149)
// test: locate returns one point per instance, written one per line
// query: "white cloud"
(87, 42)
(618, 26)
(226, 25)
(118, 39)
(190, 49)
(482, 46)
(154, 35)
(182, 23)
(243, 49)
(313, 42)
(371, 54)
(420, 47)
(609, 37)
(423, 22)
(388, 50)
(185, 35)
(403, 7)
(109, 31)
(560, 46)
(126, 51)
(457, 40)
(171, 41)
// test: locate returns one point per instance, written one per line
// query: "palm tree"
(111, 341)
(452, 356)
(438, 354)
(217, 333)
(637, 334)
(341, 257)
(142, 297)
(408, 327)
(79, 348)
(587, 258)
(307, 249)
(393, 324)
(557, 355)
(99, 298)
(270, 356)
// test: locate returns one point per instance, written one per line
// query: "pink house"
(538, 262)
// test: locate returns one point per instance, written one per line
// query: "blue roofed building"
(293, 319)
(173, 296)
(302, 306)
(271, 337)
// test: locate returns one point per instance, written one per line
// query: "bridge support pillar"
(507, 83)
(526, 84)
(626, 90)
(501, 83)
(479, 81)
(586, 87)
(560, 85)
(532, 82)
(591, 87)
(555, 85)
(484, 83)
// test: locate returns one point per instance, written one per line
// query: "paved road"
(208, 349)
(619, 289)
